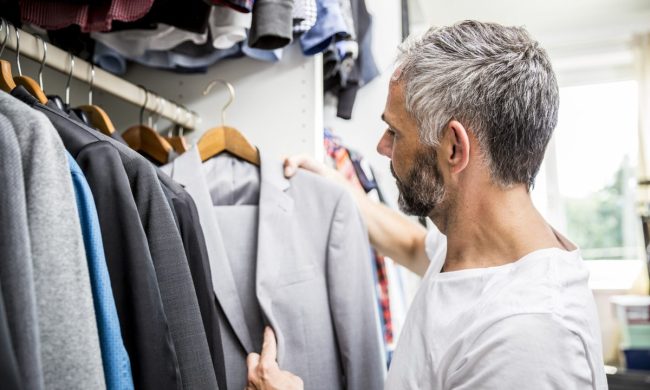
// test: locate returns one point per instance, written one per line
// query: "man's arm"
(391, 233)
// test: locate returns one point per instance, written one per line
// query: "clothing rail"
(60, 60)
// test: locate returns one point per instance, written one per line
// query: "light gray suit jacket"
(313, 276)
(70, 349)
(16, 271)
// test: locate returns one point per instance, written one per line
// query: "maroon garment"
(56, 15)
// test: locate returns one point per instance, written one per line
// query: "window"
(589, 174)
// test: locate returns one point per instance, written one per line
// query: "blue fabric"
(117, 367)
(108, 59)
(114, 62)
(329, 26)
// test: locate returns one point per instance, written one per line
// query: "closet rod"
(60, 60)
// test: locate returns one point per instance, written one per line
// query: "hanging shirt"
(530, 324)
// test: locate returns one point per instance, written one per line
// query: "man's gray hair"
(493, 79)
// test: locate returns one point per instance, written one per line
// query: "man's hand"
(264, 372)
(291, 165)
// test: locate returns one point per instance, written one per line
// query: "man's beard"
(423, 189)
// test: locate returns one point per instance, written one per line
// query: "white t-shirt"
(531, 324)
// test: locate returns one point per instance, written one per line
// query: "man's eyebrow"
(383, 118)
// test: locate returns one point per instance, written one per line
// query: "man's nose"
(385, 145)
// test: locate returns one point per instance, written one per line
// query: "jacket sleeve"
(353, 302)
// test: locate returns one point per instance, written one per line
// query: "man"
(504, 302)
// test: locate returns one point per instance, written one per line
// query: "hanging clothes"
(302, 281)
(117, 367)
(16, 269)
(70, 351)
(343, 163)
(170, 264)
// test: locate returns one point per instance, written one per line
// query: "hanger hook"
(5, 24)
(92, 83)
(177, 114)
(67, 84)
(144, 105)
(160, 110)
(231, 91)
(20, 71)
(40, 69)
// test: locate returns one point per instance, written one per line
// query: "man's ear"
(457, 150)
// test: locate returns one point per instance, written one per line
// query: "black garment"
(190, 15)
(9, 375)
(187, 220)
(137, 296)
(170, 263)
(351, 77)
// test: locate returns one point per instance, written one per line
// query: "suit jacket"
(172, 271)
(16, 271)
(117, 367)
(70, 350)
(143, 322)
(313, 280)
(187, 221)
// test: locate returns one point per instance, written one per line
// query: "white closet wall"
(278, 106)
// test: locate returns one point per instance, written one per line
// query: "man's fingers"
(291, 165)
(252, 361)
(269, 348)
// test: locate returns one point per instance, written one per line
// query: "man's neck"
(496, 228)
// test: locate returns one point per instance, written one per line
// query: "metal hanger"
(97, 117)
(27, 82)
(177, 141)
(67, 83)
(146, 140)
(7, 83)
(226, 139)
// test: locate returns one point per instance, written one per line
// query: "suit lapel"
(275, 213)
(187, 170)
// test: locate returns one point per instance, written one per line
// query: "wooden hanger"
(146, 140)
(7, 83)
(28, 83)
(98, 117)
(226, 139)
(177, 142)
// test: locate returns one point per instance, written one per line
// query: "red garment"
(54, 15)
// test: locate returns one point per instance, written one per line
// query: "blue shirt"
(330, 25)
(117, 367)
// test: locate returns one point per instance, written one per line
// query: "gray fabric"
(70, 349)
(239, 229)
(272, 25)
(16, 272)
(313, 277)
(167, 252)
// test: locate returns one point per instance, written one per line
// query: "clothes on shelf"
(190, 36)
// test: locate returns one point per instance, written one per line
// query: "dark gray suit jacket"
(312, 273)
(166, 248)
